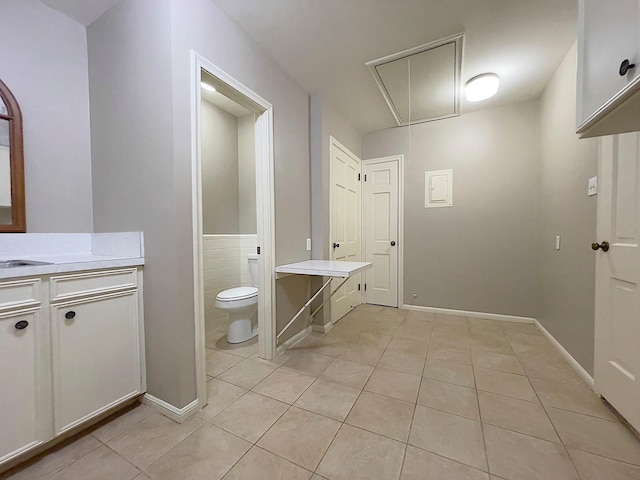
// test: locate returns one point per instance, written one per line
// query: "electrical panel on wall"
(438, 188)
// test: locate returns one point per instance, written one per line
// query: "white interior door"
(617, 332)
(346, 205)
(381, 201)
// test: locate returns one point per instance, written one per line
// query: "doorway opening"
(233, 219)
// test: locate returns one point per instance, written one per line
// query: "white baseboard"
(174, 413)
(322, 328)
(295, 339)
(464, 313)
(567, 356)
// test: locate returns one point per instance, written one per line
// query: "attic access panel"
(423, 83)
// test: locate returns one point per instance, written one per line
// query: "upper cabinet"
(608, 91)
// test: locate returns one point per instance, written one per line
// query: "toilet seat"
(238, 293)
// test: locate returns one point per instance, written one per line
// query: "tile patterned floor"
(386, 394)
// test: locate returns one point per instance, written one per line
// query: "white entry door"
(381, 202)
(617, 329)
(346, 204)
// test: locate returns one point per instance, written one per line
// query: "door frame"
(333, 144)
(400, 160)
(265, 217)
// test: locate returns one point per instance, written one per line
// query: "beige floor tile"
(575, 398)
(329, 399)
(284, 385)
(277, 361)
(595, 435)
(418, 315)
(247, 374)
(415, 328)
(458, 320)
(420, 465)
(526, 328)
(309, 363)
(244, 349)
(219, 396)
(508, 384)
(449, 353)
(556, 370)
(56, 459)
(373, 340)
(114, 426)
(352, 374)
(454, 437)
(356, 352)
(496, 361)
(408, 346)
(515, 456)
(394, 314)
(318, 343)
(449, 372)
(518, 415)
(250, 416)
(207, 454)
(439, 337)
(595, 467)
(301, 437)
(100, 464)
(532, 346)
(218, 362)
(380, 327)
(449, 398)
(495, 345)
(150, 439)
(394, 384)
(402, 362)
(485, 326)
(357, 454)
(260, 464)
(142, 476)
(384, 415)
(365, 307)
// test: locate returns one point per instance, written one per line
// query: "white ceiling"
(324, 44)
(83, 11)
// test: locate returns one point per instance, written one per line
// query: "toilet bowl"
(241, 303)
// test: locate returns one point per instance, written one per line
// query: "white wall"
(247, 174)
(566, 277)
(480, 254)
(43, 61)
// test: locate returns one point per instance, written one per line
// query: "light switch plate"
(593, 186)
(308, 244)
(557, 242)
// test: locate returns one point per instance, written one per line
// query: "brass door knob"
(604, 246)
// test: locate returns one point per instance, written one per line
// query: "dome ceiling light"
(482, 87)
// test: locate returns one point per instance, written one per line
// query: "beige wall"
(479, 255)
(220, 179)
(247, 174)
(43, 61)
(566, 277)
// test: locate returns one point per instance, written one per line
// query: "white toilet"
(241, 304)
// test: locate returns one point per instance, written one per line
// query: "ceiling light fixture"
(482, 87)
(207, 87)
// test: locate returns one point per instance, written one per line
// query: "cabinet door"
(608, 36)
(21, 369)
(96, 356)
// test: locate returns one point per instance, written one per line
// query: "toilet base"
(241, 330)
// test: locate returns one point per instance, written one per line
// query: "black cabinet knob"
(393, 243)
(336, 245)
(625, 66)
(21, 325)
(70, 315)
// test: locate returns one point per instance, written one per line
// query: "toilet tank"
(253, 268)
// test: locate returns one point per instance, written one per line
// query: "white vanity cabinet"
(23, 359)
(95, 333)
(608, 93)
(71, 349)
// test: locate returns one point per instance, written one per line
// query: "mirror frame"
(16, 163)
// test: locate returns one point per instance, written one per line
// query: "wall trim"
(293, 340)
(322, 328)
(174, 413)
(567, 356)
(465, 313)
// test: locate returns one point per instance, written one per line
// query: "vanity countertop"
(70, 252)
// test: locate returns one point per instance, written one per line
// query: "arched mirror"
(12, 207)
